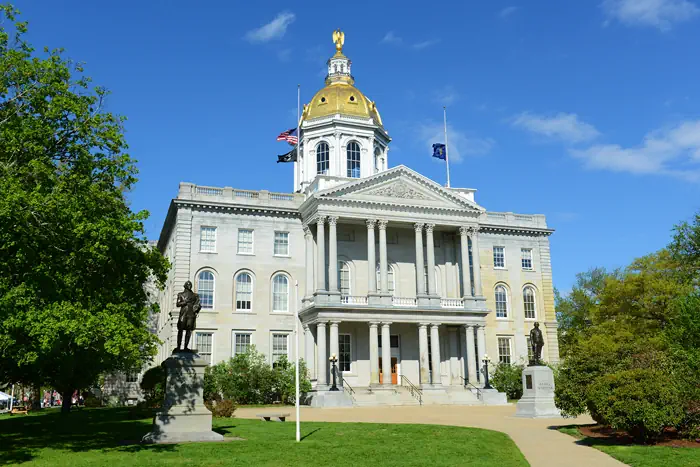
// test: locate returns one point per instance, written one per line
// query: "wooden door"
(394, 372)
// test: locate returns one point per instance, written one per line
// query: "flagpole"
(447, 154)
(296, 359)
(298, 167)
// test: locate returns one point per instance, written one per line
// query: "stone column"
(420, 266)
(477, 262)
(371, 258)
(423, 353)
(430, 245)
(309, 351)
(469, 357)
(466, 269)
(335, 350)
(332, 255)
(386, 354)
(435, 350)
(308, 236)
(373, 353)
(481, 347)
(321, 361)
(321, 254)
(383, 265)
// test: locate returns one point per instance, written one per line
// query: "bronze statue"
(188, 301)
(537, 342)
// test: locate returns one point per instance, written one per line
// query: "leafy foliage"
(153, 386)
(508, 378)
(74, 256)
(224, 408)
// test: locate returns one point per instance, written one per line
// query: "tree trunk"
(66, 401)
(36, 397)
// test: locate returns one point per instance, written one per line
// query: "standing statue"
(188, 301)
(537, 342)
(338, 40)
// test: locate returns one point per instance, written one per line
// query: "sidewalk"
(543, 447)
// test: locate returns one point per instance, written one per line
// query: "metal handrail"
(347, 388)
(413, 390)
(468, 384)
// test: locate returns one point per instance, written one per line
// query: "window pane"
(280, 293)
(207, 239)
(501, 302)
(345, 357)
(244, 291)
(205, 289)
(281, 243)
(530, 355)
(344, 278)
(390, 279)
(529, 302)
(241, 343)
(204, 345)
(499, 257)
(504, 349)
(322, 159)
(353, 155)
(279, 346)
(245, 241)
(526, 258)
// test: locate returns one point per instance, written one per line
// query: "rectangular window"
(345, 357)
(504, 350)
(279, 347)
(529, 350)
(204, 342)
(281, 244)
(207, 240)
(241, 342)
(132, 377)
(499, 257)
(344, 278)
(245, 241)
(526, 258)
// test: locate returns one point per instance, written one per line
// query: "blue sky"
(585, 111)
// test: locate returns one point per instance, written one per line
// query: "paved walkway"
(543, 447)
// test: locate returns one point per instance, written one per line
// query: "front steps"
(400, 396)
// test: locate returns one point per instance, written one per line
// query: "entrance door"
(394, 372)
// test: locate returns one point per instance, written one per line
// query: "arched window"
(529, 302)
(501, 302)
(322, 158)
(280, 293)
(244, 292)
(353, 152)
(344, 277)
(377, 158)
(390, 278)
(205, 289)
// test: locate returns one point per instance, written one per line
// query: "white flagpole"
(296, 359)
(12, 397)
(297, 168)
(447, 154)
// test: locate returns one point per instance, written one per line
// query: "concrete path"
(543, 447)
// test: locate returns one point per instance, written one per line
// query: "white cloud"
(507, 11)
(661, 14)
(275, 29)
(391, 38)
(460, 144)
(284, 55)
(673, 151)
(445, 95)
(425, 44)
(562, 126)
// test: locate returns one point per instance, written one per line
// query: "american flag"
(289, 136)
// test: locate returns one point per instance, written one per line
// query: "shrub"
(508, 378)
(284, 377)
(641, 402)
(153, 386)
(92, 401)
(222, 408)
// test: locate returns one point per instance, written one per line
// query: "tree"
(685, 248)
(73, 256)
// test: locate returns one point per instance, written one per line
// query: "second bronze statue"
(188, 301)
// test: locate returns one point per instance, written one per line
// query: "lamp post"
(333, 361)
(486, 361)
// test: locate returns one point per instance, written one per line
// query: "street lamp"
(486, 361)
(333, 359)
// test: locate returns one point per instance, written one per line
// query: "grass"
(110, 437)
(639, 455)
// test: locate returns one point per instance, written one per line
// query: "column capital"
(371, 223)
(307, 231)
(429, 228)
(435, 325)
(386, 324)
(474, 229)
(374, 324)
(321, 323)
(381, 223)
(320, 220)
(305, 327)
(423, 325)
(464, 230)
(332, 220)
(418, 226)
(335, 323)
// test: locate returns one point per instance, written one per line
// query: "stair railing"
(412, 389)
(468, 385)
(347, 388)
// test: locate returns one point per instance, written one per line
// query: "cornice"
(224, 207)
(515, 230)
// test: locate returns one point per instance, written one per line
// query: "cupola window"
(322, 158)
(353, 154)
(323, 100)
(352, 98)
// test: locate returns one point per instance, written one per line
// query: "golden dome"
(343, 99)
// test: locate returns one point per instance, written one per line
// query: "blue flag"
(439, 151)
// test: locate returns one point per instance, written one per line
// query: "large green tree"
(73, 256)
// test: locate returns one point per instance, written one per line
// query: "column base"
(434, 300)
(374, 298)
(321, 297)
(423, 300)
(333, 297)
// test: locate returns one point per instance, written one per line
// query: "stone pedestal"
(184, 417)
(538, 394)
(330, 399)
(493, 397)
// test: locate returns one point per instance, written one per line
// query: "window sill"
(282, 256)
(246, 254)
(500, 269)
(273, 312)
(531, 320)
(528, 270)
(207, 252)
(245, 312)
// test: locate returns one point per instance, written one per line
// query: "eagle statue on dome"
(338, 40)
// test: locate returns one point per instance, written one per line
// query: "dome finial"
(338, 40)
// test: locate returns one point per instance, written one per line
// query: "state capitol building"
(409, 283)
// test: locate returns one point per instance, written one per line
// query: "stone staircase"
(401, 396)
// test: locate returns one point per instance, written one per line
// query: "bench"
(274, 417)
(19, 409)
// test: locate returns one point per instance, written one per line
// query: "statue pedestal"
(538, 394)
(184, 417)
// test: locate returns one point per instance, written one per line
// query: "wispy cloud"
(284, 55)
(507, 11)
(446, 95)
(425, 44)
(562, 126)
(275, 29)
(461, 144)
(660, 14)
(391, 38)
(673, 151)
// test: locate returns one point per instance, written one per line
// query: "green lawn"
(638, 455)
(109, 437)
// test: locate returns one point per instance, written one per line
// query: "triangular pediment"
(401, 185)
